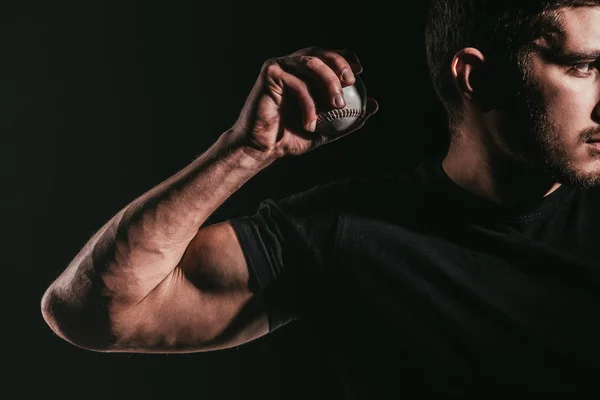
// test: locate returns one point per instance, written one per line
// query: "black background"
(101, 100)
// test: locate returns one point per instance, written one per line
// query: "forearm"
(154, 230)
(135, 250)
(162, 222)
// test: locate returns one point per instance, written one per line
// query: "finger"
(322, 78)
(348, 55)
(342, 66)
(299, 90)
(352, 60)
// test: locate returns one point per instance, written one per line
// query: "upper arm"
(205, 303)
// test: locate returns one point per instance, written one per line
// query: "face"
(559, 103)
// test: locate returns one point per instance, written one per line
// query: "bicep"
(206, 303)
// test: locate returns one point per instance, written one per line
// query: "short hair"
(501, 29)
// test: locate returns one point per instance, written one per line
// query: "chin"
(584, 173)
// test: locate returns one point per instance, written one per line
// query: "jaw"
(482, 162)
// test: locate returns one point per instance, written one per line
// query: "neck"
(488, 173)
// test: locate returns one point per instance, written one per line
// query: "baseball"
(338, 121)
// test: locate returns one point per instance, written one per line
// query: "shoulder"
(370, 192)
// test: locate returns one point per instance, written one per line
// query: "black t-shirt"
(418, 286)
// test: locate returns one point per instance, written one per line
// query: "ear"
(471, 77)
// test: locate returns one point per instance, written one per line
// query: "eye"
(583, 68)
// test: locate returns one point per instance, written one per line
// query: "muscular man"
(476, 272)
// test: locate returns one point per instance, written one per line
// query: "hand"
(280, 113)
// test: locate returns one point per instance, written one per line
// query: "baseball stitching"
(332, 115)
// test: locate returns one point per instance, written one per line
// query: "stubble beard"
(541, 147)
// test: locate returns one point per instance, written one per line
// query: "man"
(475, 272)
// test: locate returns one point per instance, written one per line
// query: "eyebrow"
(562, 56)
(570, 56)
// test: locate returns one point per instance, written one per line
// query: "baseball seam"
(332, 115)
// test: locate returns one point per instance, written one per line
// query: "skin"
(154, 278)
(526, 150)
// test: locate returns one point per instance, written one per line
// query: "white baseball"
(339, 120)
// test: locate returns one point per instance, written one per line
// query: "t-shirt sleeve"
(288, 246)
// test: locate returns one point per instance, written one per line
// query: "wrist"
(248, 155)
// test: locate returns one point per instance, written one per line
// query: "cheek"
(569, 103)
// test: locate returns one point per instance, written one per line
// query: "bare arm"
(142, 269)
(153, 278)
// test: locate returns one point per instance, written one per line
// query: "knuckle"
(271, 67)
(308, 60)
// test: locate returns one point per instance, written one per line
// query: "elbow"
(78, 322)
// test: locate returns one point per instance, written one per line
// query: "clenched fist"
(279, 116)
